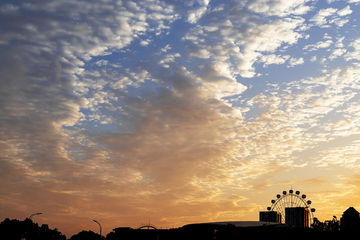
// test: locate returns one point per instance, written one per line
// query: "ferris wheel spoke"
(282, 208)
(296, 202)
(291, 200)
(283, 204)
(299, 202)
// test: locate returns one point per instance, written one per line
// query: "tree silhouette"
(52, 235)
(327, 226)
(111, 236)
(12, 229)
(32, 230)
(27, 229)
(332, 225)
(86, 235)
(319, 226)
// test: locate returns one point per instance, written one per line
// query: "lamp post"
(29, 225)
(99, 225)
(34, 214)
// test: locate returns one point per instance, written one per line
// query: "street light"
(99, 225)
(34, 214)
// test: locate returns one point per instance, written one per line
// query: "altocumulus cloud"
(164, 135)
(128, 110)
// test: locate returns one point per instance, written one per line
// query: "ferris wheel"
(291, 199)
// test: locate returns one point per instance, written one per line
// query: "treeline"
(327, 226)
(17, 230)
(28, 230)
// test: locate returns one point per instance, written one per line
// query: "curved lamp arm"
(34, 214)
(99, 225)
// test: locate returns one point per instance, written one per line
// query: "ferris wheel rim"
(299, 200)
(284, 196)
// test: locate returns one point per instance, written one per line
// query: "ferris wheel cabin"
(291, 209)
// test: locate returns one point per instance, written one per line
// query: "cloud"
(280, 8)
(320, 17)
(145, 42)
(169, 58)
(305, 107)
(166, 48)
(273, 59)
(46, 93)
(221, 39)
(345, 156)
(196, 14)
(354, 54)
(306, 182)
(336, 53)
(339, 43)
(105, 172)
(339, 22)
(295, 61)
(316, 46)
(102, 62)
(345, 11)
(101, 127)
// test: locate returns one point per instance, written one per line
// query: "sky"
(176, 112)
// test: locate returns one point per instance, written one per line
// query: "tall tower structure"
(271, 216)
(297, 217)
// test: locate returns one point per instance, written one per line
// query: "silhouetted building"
(270, 216)
(44, 228)
(297, 217)
(230, 230)
(145, 233)
(202, 231)
(350, 219)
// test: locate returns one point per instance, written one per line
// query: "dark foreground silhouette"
(28, 230)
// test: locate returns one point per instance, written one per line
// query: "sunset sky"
(176, 112)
